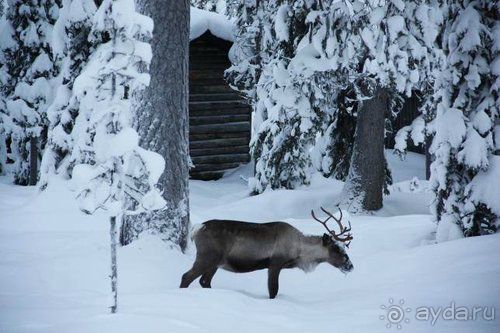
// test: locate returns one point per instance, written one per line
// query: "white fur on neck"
(312, 252)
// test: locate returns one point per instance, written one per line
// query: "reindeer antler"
(343, 230)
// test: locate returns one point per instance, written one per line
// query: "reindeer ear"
(326, 239)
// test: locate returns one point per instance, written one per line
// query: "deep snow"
(54, 266)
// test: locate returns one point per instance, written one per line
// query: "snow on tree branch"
(113, 171)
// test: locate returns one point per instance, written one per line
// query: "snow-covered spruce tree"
(426, 28)
(27, 71)
(333, 149)
(465, 175)
(121, 177)
(327, 61)
(328, 52)
(391, 62)
(163, 123)
(72, 47)
(218, 6)
(337, 42)
(246, 50)
(284, 110)
(283, 97)
(6, 41)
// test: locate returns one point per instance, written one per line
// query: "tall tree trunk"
(114, 268)
(363, 189)
(428, 156)
(33, 176)
(163, 122)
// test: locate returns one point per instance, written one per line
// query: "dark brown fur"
(245, 247)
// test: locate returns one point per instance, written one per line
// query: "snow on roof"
(218, 25)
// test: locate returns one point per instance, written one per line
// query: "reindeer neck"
(311, 253)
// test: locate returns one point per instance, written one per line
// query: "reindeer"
(242, 247)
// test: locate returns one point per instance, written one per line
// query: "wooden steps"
(222, 119)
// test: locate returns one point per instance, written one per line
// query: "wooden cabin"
(219, 118)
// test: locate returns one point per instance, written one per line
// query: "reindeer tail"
(195, 229)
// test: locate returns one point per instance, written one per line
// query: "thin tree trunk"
(428, 156)
(114, 268)
(163, 123)
(363, 189)
(33, 175)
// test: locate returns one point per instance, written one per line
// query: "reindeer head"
(336, 243)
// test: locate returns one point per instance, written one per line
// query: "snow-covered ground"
(54, 263)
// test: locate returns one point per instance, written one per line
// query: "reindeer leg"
(202, 265)
(191, 275)
(273, 274)
(206, 278)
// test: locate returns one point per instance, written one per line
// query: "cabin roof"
(218, 25)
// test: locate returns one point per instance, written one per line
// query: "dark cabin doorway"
(219, 118)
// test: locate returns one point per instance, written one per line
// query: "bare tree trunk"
(114, 268)
(363, 189)
(163, 122)
(428, 156)
(33, 176)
